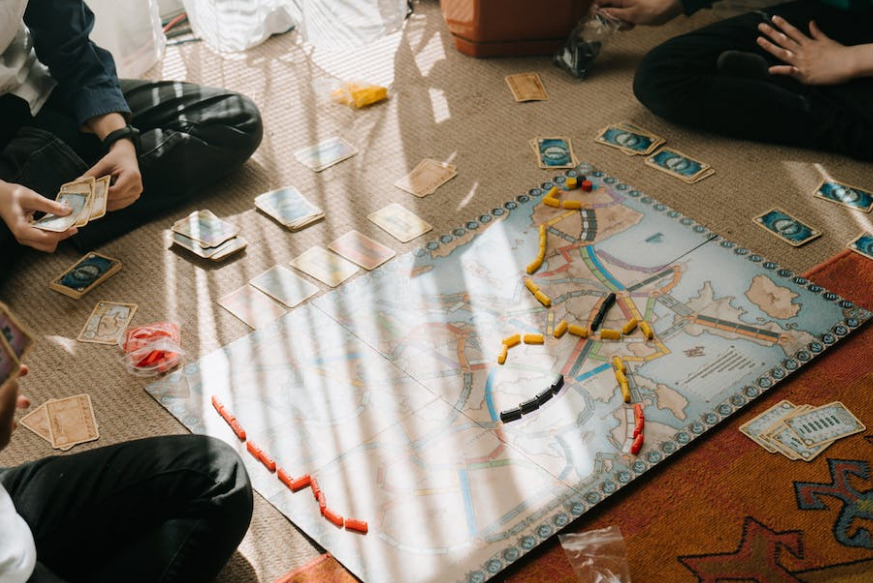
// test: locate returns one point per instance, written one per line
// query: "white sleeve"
(17, 551)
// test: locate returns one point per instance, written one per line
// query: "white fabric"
(21, 73)
(17, 551)
(235, 25)
(130, 30)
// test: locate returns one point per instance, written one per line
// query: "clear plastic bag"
(597, 556)
(152, 349)
(585, 42)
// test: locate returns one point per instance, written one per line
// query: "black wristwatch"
(128, 132)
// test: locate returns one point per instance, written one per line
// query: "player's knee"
(247, 125)
(661, 80)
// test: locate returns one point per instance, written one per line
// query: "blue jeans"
(165, 509)
(191, 136)
(680, 80)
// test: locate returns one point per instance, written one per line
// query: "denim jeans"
(681, 81)
(164, 509)
(191, 137)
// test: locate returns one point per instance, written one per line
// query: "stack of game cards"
(86, 196)
(289, 208)
(207, 236)
(630, 139)
(427, 177)
(527, 87)
(15, 341)
(554, 152)
(679, 165)
(801, 432)
(65, 422)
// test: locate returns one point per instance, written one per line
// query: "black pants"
(679, 80)
(192, 136)
(165, 509)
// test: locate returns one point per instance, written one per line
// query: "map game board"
(388, 388)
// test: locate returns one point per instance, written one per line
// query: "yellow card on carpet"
(107, 323)
(324, 266)
(71, 421)
(400, 223)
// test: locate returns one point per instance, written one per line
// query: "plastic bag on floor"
(597, 556)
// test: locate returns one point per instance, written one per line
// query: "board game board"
(388, 389)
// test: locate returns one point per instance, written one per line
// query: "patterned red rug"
(728, 510)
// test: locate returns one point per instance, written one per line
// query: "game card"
(71, 421)
(9, 363)
(527, 87)
(205, 228)
(635, 142)
(99, 198)
(788, 228)
(107, 323)
(288, 207)
(16, 335)
(362, 250)
(791, 446)
(324, 266)
(679, 165)
(554, 152)
(824, 424)
(84, 186)
(195, 247)
(325, 154)
(754, 428)
(282, 284)
(850, 196)
(863, 244)
(56, 224)
(426, 177)
(400, 223)
(86, 274)
(37, 421)
(229, 247)
(252, 307)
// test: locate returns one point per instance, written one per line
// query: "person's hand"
(121, 163)
(17, 205)
(10, 400)
(812, 60)
(643, 12)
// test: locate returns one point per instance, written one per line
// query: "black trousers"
(166, 509)
(192, 136)
(680, 81)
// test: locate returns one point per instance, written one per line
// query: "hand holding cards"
(15, 341)
(86, 197)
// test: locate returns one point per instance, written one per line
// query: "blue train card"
(850, 196)
(86, 274)
(788, 228)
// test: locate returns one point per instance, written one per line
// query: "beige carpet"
(443, 105)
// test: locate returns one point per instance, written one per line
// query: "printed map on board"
(388, 388)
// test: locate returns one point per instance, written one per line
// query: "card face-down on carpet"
(388, 390)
